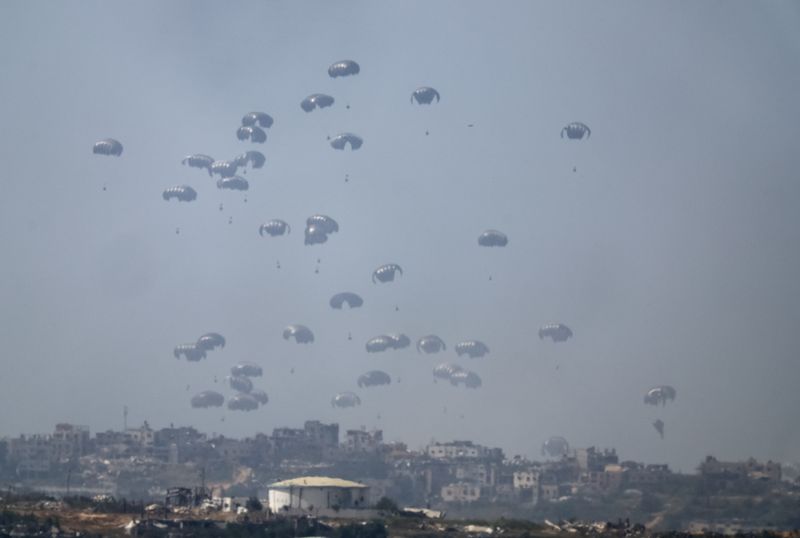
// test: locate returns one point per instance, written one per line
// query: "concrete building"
(461, 493)
(319, 495)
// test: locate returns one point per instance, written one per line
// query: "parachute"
(107, 146)
(235, 183)
(242, 402)
(183, 193)
(210, 341)
(345, 399)
(558, 332)
(274, 228)
(198, 160)
(446, 370)
(576, 131)
(343, 69)
(207, 398)
(385, 273)
(492, 238)
(255, 159)
(260, 396)
(658, 424)
(374, 378)
(224, 168)
(351, 299)
(424, 95)
(555, 447)
(300, 333)
(240, 383)
(379, 343)
(470, 379)
(341, 140)
(430, 344)
(252, 133)
(399, 340)
(473, 348)
(316, 100)
(191, 352)
(315, 235)
(247, 369)
(318, 227)
(660, 395)
(261, 118)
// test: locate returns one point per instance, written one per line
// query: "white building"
(463, 493)
(318, 495)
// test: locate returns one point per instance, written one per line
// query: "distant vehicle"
(107, 146)
(558, 332)
(344, 68)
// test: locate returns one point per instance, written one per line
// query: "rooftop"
(317, 482)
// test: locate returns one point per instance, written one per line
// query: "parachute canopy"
(224, 168)
(107, 146)
(300, 333)
(576, 131)
(210, 341)
(374, 378)
(472, 348)
(198, 160)
(341, 140)
(352, 300)
(191, 352)
(274, 228)
(343, 69)
(385, 273)
(492, 238)
(242, 402)
(207, 398)
(316, 100)
(558, 332)
(261, 118)
(240, 383)
(247, 369)
(260, 396)
(253, 158)
(424, 95)
(345, 399)
(555, 447)
(430, 344)
(235, 183)
(182, 193)
(660, 395)
(251, 133)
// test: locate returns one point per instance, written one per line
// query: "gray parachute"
(425, 95)
(191, 352)
(340, 141)
(247, 369)
(385, 273)
(318, 227)
(300, 333)
(235, 183)
(660, 395)
(242, 402)
(374, 378)
(430, 344)
(576, 131)
(558, 332)
(343, 69)
(274, 228)
(316, 100)
(260, 396)
(446, 370)
(206, 399)
(399, 340)
(472, 348)
(253, 159)
(224, 168)
(182, 193)
(352, 300)
(379, 343)
(555, 447)
(262, 119)
(468, 378)
(492, 238)
(198, 160)
(209, 341)
(107, 146)
(240, 383)
(251, 133)
(345, 399)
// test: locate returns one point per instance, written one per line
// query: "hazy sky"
(673, 252)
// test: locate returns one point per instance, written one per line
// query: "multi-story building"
(460, 492)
